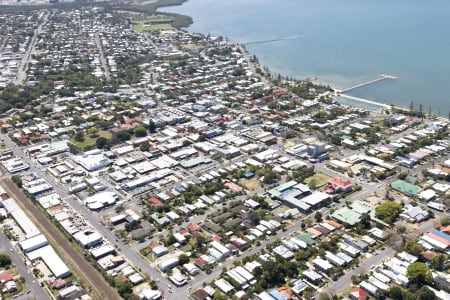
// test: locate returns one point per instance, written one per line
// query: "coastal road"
(253, 68)
(75, 260)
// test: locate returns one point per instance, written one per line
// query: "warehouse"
(21, 218)
(33, 243)
(53, 262)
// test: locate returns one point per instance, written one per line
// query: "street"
(30, 281)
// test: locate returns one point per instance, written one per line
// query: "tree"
(92, 131)
(419, 273)
(402, 175)
(140, 131)
(425, 294)
(318, 216)
(396, 293)
(17, 180)
(413, 247)
(445, 221)
(5, 260)
(152, 126)
(124, 288)
(438, 262)
(101, 142)
(388, 211)
(144, 146)
(123, 136)
(183, 259)
(254, 217)
(365, 220)
(79, 136)
(313, 183)
(219, 296)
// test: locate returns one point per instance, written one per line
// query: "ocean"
(343, 43)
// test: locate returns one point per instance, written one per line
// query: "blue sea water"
(343, 42)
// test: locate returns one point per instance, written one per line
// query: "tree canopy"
(388, 211)
(419, 273)
(5, 260)
(413, 247)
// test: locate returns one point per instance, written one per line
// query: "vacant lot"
(250, 184)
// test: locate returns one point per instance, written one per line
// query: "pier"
(271, 40)
(380, 78)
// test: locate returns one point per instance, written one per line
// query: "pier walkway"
(380, 78)
(271, 40)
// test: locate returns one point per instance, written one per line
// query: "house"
(201, 263)
(358, 294)
(414, 214)
(337, 185)
(194, 228)
(200, 294)
(11, 286)
(156, 202)
(6, 276)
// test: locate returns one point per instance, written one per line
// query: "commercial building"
(33, 243)
(92, 160)
(88, 238)
(53, 262)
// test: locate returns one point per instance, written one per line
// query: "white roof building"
(33, 243)
(88, 238)
(52, 260)
(223, 285)
(92, 160)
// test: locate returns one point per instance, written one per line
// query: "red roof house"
(337, 185)
(359, 294)
(156, 202)
(194, 228)
(5, 276)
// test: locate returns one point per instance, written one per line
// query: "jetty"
(380, 78)
(271, 40)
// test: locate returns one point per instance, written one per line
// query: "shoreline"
(160, 4)
(163, 3)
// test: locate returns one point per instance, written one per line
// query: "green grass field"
(89, 142)
(320, 178)
(163, 23)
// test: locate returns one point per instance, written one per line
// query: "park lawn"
(146, 25)
(89, 141)
(321, 179)
(250, 184)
